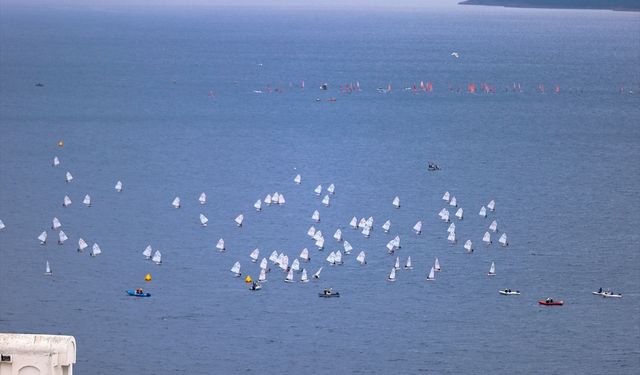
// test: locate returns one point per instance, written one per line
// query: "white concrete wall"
(29, 354)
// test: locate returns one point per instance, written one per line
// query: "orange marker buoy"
(148, 277)
(248, 279)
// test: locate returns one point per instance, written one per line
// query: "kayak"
(328, 294)
(553, 303)
(133, 293)
(509, 293)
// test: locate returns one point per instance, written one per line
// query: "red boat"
(551, 302)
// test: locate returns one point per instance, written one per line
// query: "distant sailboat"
(157, 258)
(494, 226)
(392, 275)
(453, 202)
(304, 255)
(432, 275)
(492, 270)
(316, 216)
(66, 201)
(274, 256)
(62, 237)
(386, 226)
(366, 231)
(331, 189)
(2, 226)
(236, 269)
(176, 202)
(312, 231)
(239, 219)
(326, 201)
(503, 240)
(203, 198)
(267, 200)
(258, 205)
(445, 215)
(317, 235)
(391, 247)
(338, 257)
(354, 223)
(347, 247)
(297, 179)
(263, 264)
(68, 177)
(397, 265)
(43, 238)
(95, 250)
(338, 235)
(408, 265)
(281, 200)
(361, 258)
(468, 246)
(362, 223)
(369, 222)
(459, 213)
(320, 243)
(304, 278)
(295, 265)
(55, 223)
(396, 242)
(220, 245)
(396, 202)
(56, 161)
(289, 278)
(203, 220)
(452, 228)
(446, 196)
(332, 258)
(254, 255)
(317, 274)
(418, 227)
(118, 186)
(263, 276)
(436, 265)
(486, 238)
(483, 211)
(82, 244)
(274, 197)
(87, 200)
(318, 190)
(47, 270)
(284, 262)
(491, 205)
(147, 252)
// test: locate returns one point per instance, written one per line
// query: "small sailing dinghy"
(432, 275)
(326, 201)
(459, 213)
(239, 219)
(493, 226)
(396, 202)
(47, 270)
(68, 177)
(509, 292)
(491, 205)
(118, 186)
(55, 223)
(331, 189)
(203, 220)
(203, 198)
(408, 265)
(361, 258)
(297, 179)
(95, 250)
(311, 232)
(284, 262)
(366, 231)
(274, 197)
(304, 278)
(452, 237)
(468, 246)
(446, 196)
(338, 257)
(236, 269)
(503, 240)
(147, 252)
(392, 275)
(62, 237)
(492, 270)
(43, 238)
(338, 235)
(453, 202)
(82, 244)
(2, 226)
(317, 274)
(157, 258)
(397, 265)
(332, 258)
(328, 293)
(347, 247)
(289, 278)
(274, 257)
(254, 255)
(483, 211)
(391, 247)
(320, 243)
(220, 245)
(264, 264)
(258, 205)
(436, 265)
(304, 255)
(386, 226)
(452, 228)
(550, 302)
(295, 265)
(87, 200)
(138, 293)
(176, 202)
(354, 223)
(263, 276)
(316, 216)
(444, 215)
(267, 200)
(418, 227)
(318, 190)
(486, 238)
(281, 200)
(56, 161)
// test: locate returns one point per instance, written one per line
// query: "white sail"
(446, 196)
(56, 161)
(354, 223)
(332, 258)
(436, 265)
(369, 222)
(441, 213)
(264, 264)
(459, 213)
(284, 263)
(452, 228)
(361, 258)
(491, 205)
(43, 237)
(432, 274)
(304, 278)
(331, 189)
(203, 198)
(62, 237)
(453, 202)
(147, 252)
(338, 235)
(239, 219)
(396, 242)
(483, 211)
(281, 200)
(397, 265)
(320, 243)
(312, 231)
(82, 244)
(2, 226)
(176, 202)
(318, 235)
(338, 257)
(317, 274)
(452, 237)
(280, 259)
(267, 200)
(347, 247)
(295, 265)
(503, 240)
(492, 270)
(391, 247)
(289, 278)
(408, 265)
(362, 223)
(316, 216)
(418, 227)
(118, 186)
(55, 223)
(220, 245)
(493, 226)
(236, 269)
(203, 220)
(47, 269)
(396, 202)
(258, 205)
(68, 177)
(326, 201)
(392, 275)
(87, 200)
(386, 226)
(366, 231)
(486, 238)
(274, 256)
(254, 255)
(468, 246)
(318, 190)
(95, 250)
(297, 179)
(304, 255)
(274, 197)
(157, 257)
(263, 276)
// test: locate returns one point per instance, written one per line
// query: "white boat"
(82, 244)
(396, 242)
(2, 226)
(62, 237)
(55, 223)
(239, 219)
(493, 226)
(254, 255)
(297, 179)
(284, 262)
(274, 197)
(396, 202)
(347, 247)
(391, 247)
(492, 269)
(483, 211)
(289, 278)
(157, 258)
(304, 278)
(369, 222)
(56, 161)
(147, 252)
(203, 220)
(338, 235)
(338, 257)
(486, 238)
(263, 276)
(95, 250)
(263, 264)
(203, 198)
(118, 186)
(446, 196)
(452, 237)
(311, 232)
(236, 269)
(436, 265)
(274, 256)
(87, 200)
(503, 240)
(491, 205)
(316, 216)
(453, 202)
(509, 292)
(361, 258)
(362, 223)
(176, 202)
(397, 264)
(318, 235)
(258, 205)
(320, 243)
(468, 246)
(332, 258)
(386, 226)
(47, 270)
(392, 275)
(220, 245)
(267, 200)
(354, 223)
(317, 274)
(43, 238)
(318, 190)
(432, 275)
(418, 227)
(445, 216)
(331, 189)
(68, 177)
(459, 213)
(281, 199)
(452, 228)
(610, 294)
(366, 231)
(326, 201)
(295, 265)
(408, 265)
(304, 255)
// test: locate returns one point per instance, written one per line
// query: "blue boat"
(138, 293)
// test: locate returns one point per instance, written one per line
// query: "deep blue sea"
(164, 101)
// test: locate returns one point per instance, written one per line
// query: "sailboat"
(317, 235)
(436, 265)
(397, 265)
(418, 227)
(331, 189)
(176, 202)
(203, 198)
(468, 246)
(267, 200)
(318, 190)
(483, 211)
(361, 258)
(118, 186)
(366, 231)
(47, 270)
(445, 216)
(311, 232)
(396, 242)
(396, 202)
(362, 223)
(494, 226)
(332, 258)
(316, 216)
(320, 243)
(295, 265)
(304, 278)
(239, 219)
(338, 235)
(492, 270)
(304, 255)
(408, 265)
(386, 226)
(325, 200)
(254, 255)
(274, 256)
(284, 262)
(503, 240)
(2, 226)
(147, 252)
(347, 247)
(274, 197)
(432, 275)
(491, 205)
(446, 196)
(453, 202)
(236, 269)
(258, 205)
(459, 213)
(263, 276)
(317, 274)
(62, 237)
(68, 177)
(82, 245)
(95, 250)
(203, 220)
(43, 238)
(297, 179)
(264, 264)
(392, 275)
(220, 245)
(338, 257)
(66, 201)
(56, 161)
(87, 200)
(369, 222)
(281, 200)
(486, 238)
(354, 223)
(391, 247)
(289, 278)
(157, 258)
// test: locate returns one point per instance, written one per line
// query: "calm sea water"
(128, 94)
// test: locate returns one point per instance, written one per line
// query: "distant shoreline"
(620, 5)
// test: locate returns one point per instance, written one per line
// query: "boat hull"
(133, 293)
(554, 303)
(322, 295)
(504, 293)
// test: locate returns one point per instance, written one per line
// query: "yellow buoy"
(61, 144)
(248, 279)
(148, 277)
